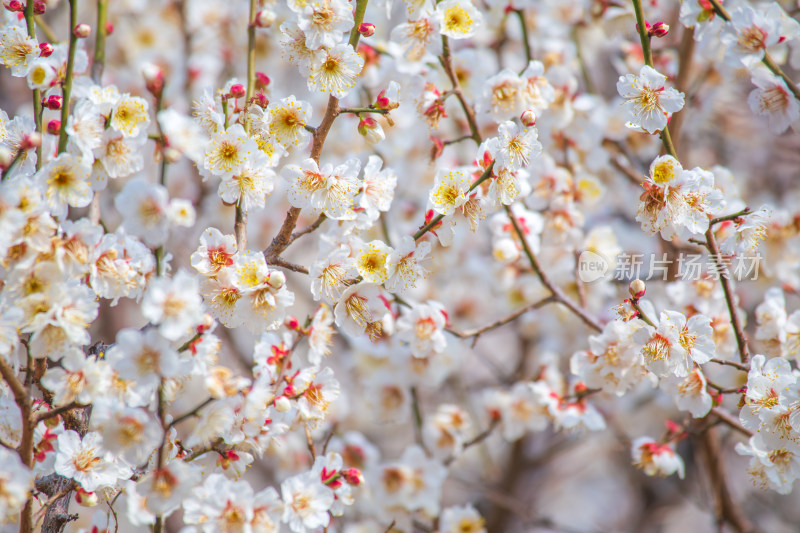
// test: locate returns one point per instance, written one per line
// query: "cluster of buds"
(53, 102)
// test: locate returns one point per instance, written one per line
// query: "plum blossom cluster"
(315, 266)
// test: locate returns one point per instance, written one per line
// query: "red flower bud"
(237, 90)
(262, 80)
(659, 29)
(292, 323)
(52, 102)
(15, 6)
(39, 7)
(352, 476)
(366, 29)
(54, 127)
(45, 49)
(82, 30)
(109, 28)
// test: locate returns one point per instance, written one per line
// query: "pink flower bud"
(528, 118)
(82, 30)
(292, 323)
(265, 18)
(14, 6)
(369, 128)
(659, 29)
(366, 29)
(39, 7)
(353, 476)
(109, 28)
(153, 79)
(637, 289)
(32, 140)
(237, 90)
(262, 80)
(54, 127)
(52, 102)
(45, 49)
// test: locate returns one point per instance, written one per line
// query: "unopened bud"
(86, 499)
(153, 79)
(282, 404)
(52, 102)
(277, 279)
(39, 7)
(366, 29)
(353, 476)
(54, 127)
(292, 323)
(265, 18)
(528, 118)
(206, 324)
(262, 80)
(14, 6)
(109, 28)
(82, 30)
(172, 155)
(369, 128)
(32, 140)
(659, 29)
(237, 90)
(45, 49)
(637, 289)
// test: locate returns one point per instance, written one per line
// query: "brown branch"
(503, 321)
(41, 416)
(725, 510)
(730, 421)
(447, 64)
(25, 450)
(734, 364)
(555, 291)
(727, 288)
(480, 437)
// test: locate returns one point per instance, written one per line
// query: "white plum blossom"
(648, 103)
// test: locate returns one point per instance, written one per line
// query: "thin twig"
(503, 321)
(555, 291)
(727, 289)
